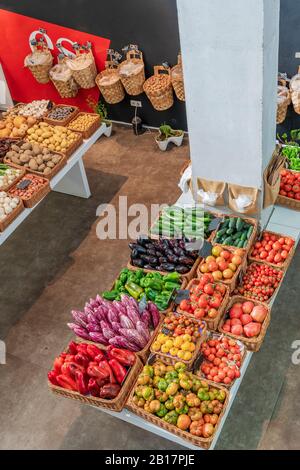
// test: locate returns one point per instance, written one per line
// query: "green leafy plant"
(290, 140)
(166, 131)
(292, 155)
(99, 108)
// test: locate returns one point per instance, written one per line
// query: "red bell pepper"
(126, 358)
(58, 363)
(82, 359)
(81, 382)
(82, 347)
(109, 391)
(100, 357)
(93, 388)
(69, 357)
(118, 370)
(98, 372)
(52, 377)
(67, 382)
(92, 351)
(69, 368)
(72, 348)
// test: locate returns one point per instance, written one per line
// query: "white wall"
(229, 48)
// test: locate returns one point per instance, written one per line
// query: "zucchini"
(232, 223)
(250, 230)
(221, 232)
(241, 244)
(245, 244)
(237, 235)
(225, 224)
(227, 241)
(239, 223)
(230, 231)
(236, 242)
(244, 236)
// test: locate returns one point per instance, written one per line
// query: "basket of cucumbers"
(236, 231)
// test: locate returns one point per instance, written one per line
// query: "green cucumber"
(232, 223)
(241, 244)
(239, 223)
(230, 231)
(227, 241)
(236, 242)
(221, 232)
(237, 235)
(225, 224)
(250, 230)
(245, 244)
(244, 236)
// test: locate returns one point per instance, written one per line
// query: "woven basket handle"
(134, 54)
(179, 59)
(109, 64)
(63, 49)
(32, 37)
(161, 70)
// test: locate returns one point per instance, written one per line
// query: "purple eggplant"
(142, 328)
(133, 336)
(94, 327)
(182, 269)
(97, 337)
(139, 263)
(79, 317)
(167, 267)
(133, 315)
(121, 342)
(154, 313)
(147, 318)
(125, 322)
(185, 260)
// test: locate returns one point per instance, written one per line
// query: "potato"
(50, 164)
(42, 167)
(33, 164)
(47, 171)
(26, 146)
(45, 151)
(28, 152)
(24, 158)
(16, 160)
(47, 157)
(56, 159)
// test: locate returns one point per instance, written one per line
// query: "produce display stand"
(292, 229)
(71, 179)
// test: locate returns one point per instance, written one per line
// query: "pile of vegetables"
(273, 248)
(290, 185)
(179, 398)
(234, 231)
(178, 336)
(117, 323)
(190, 222)
(245, 319)
(88, 370)
(154, 286)
(223, 263)
(162, 255)
(205, 298)
(292, 155)
(7, 204)
(8, 175)
(222, 361)
(259, 282)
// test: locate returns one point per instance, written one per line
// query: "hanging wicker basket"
(158, 88)
(62, 78)
(39, 62)
(177, 79)
(132, 73)
(283, 101)
(295, 92)
(83, 68)
(109, 83)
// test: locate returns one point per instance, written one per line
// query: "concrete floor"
(54, 262)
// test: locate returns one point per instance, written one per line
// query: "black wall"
(152, 24)
(289, 44)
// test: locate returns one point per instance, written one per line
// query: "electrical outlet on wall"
(136, 104)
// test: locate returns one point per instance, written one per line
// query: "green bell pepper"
(110, 294)
(150, 294)
(171, 285)
(155, 284)
(172, 277)
(134, 290)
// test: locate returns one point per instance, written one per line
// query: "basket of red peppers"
(99, 377)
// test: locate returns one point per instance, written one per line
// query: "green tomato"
(148, 370)
(180, 367)
(162, 385)
(171, 417)
(172, 389)
(147, 393)
(162, 411)
(170, 376)
(221, 395)
(203, 396)
(182, 411)
(169, 404)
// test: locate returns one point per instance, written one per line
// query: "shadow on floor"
(42, 245)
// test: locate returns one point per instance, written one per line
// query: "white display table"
(71, 179)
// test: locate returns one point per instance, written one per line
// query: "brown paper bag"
(272, 177)
(235, 190)
(217, 187)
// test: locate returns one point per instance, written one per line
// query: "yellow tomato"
(192, 347)
(187, 337)
(174, 351)
(169, 343)
(161, 338)
(186, 346)
(164, 349)
(181, 354)
(178, 341)
(156, 346)
(187, 355)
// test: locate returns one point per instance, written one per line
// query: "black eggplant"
(151, 252)
(169, 252)
(143, 241)
(186, 260)
(139, 263)
(179, 251)
(148, 266)
(167, 267)
(149, 259)
(135, 254)
(173, 259)
(162, 259)
(138, 248)
(158, 253)
(182, 269)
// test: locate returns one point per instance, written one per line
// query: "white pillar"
(230, 61)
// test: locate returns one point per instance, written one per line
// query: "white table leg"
(74, 182)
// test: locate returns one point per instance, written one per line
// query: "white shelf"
(58, 180)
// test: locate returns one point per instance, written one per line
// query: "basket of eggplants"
(163, 255)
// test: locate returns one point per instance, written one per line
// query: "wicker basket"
(249, 221)
(18, 178)
(286, 262)
(158, 88)
(54, 170)
(62, 122)
(38, 195)
(288, 202)
(187, 276)
(112, 92)
(134, 82)
(202, 442)
(168, 359)
(283, 101)
(213, 335)
(116, 404)
(91, 129)
(66, 88)
(177, 79)
(41, 72)
(230, 283)
(84, 76)
(212, 324)
(275, 291)
(253, 344)
(12, 216)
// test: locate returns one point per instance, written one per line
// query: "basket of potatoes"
(85, 123)
(16, 127)
(55, 138)
(35, 159)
